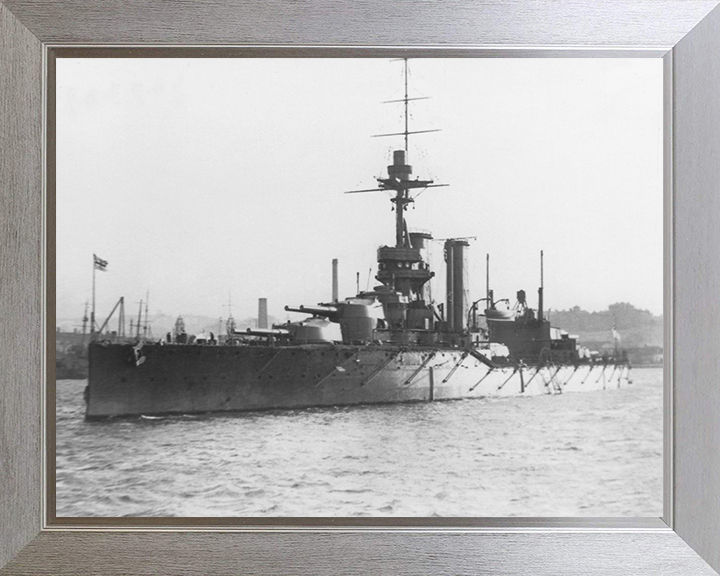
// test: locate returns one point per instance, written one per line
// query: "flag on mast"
(99, 263)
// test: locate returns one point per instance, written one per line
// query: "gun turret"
(358, 318)
(329, 312)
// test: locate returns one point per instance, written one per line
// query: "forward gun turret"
(358, 317)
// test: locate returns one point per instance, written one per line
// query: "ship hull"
(182, 379)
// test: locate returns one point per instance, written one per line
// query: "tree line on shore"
(633, 326)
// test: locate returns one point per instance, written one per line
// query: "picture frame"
(686, 34)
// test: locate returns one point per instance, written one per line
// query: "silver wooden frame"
(685, 33)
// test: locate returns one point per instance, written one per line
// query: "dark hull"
(184, 379)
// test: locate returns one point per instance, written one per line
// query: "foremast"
(403, 269)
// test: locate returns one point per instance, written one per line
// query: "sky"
(205, 181)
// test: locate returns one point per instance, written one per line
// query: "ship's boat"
(391, 344)
(500, 315)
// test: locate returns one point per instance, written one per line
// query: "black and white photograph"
(359, 287)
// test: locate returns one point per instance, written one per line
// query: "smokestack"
(460, 303)
(457, 304)
(334, 280)
(449, 285)
(419, 240)
(262, 313)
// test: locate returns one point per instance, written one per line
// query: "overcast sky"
(200, 178)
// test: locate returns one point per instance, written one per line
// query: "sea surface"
(575, 454)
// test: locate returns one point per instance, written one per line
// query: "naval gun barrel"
(277, 332)
(329, 312)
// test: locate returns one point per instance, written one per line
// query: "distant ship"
(71, 352)
(71, 360)
(388, 345)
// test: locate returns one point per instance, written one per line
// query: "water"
(582, 454)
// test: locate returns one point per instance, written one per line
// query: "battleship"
(390, 344)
